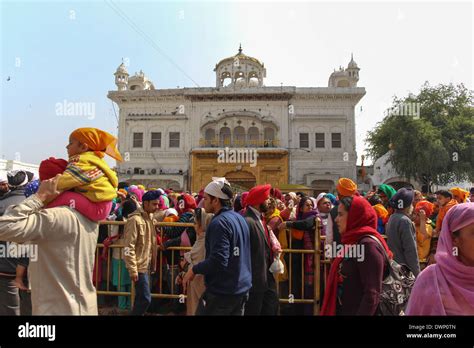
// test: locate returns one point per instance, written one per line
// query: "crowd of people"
(236, 245)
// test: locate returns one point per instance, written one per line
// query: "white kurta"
(61, 277)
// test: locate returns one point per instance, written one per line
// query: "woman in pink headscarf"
(447, 287)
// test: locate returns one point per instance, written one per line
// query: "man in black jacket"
(263, 298)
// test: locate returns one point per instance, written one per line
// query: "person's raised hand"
(48, 190)
(422, 214)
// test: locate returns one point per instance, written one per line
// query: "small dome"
(338, 73)
(352, 63)
(241, 57)
(242, 71)
(122, 69)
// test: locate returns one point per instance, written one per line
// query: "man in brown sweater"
(140, 249)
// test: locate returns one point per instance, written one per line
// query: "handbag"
(396, 287)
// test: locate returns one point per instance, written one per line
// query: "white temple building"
(303, 135)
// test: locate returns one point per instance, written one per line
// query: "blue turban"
(402, 199)
(151, 195)
(331, 197)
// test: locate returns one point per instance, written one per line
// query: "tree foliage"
(435, 144)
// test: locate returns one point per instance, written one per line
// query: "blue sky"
(56, 51)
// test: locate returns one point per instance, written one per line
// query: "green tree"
(431, 135)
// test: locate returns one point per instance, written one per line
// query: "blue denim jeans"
(142, 295)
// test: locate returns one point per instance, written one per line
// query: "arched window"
(253, 79)
(224, 136)
(239, 78)
(239, 136)
(226, 79)
(253, 137)
(269, 137)
(210, 137)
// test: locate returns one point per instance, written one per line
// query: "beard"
(263, 207)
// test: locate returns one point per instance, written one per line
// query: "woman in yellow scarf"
(273, 220)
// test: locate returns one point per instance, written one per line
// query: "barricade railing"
(295, 293)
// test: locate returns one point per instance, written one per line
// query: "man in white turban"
(227, 267)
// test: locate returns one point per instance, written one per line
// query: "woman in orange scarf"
(424, 231)
(459, 194)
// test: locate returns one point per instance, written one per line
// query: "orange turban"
(98, 141)
(460, 193)
(428, 207)
(346, 187)
(381, 211)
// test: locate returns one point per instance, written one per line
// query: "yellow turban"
(381, 211)
(346, 187)
(460, 193)
(98, 141)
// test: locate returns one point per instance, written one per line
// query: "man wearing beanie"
(400, 230)
(226, 268)
(263, 298)
(16, 180)
(12, 267)
(140, 249)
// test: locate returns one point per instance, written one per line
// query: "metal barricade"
(320, 268)
(318, 260)
(110, 292)
(131, 293)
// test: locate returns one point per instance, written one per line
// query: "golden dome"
(241, 57)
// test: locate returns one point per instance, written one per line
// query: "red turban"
(428, 207)
(200, 196)
(258, 194)
(243, 198)
(276, 193)
(50, 167)
(186, 203)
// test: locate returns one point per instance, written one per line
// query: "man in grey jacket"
(400, 230)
